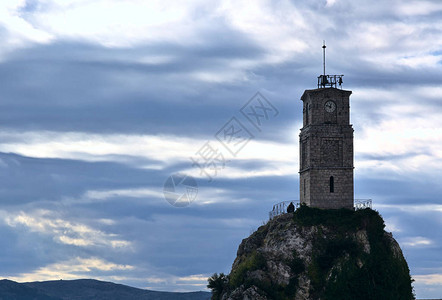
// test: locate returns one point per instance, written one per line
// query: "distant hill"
(86, 289)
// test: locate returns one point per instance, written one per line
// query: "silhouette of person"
(291, 208)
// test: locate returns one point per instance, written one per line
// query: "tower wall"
(326, 149)
(317, 188)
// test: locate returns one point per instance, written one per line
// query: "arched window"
(332, 184)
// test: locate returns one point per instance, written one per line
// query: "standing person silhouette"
(290, 208)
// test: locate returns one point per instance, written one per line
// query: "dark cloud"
(86, 88)
(34, 179)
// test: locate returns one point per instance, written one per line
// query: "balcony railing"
(362, 203)
(281, 207)
(330, 81)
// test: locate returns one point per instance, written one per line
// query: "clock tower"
(326, 146)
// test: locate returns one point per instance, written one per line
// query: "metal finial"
(323, 54)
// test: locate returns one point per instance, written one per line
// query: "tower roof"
(322, 90)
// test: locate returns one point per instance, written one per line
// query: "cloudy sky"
(101, 101)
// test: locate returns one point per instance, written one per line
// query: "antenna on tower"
(328, 80)
(323, 54)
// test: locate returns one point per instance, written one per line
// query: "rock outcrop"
(317, 254)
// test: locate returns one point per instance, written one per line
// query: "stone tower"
(326, 146)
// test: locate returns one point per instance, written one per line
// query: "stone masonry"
(326, 149)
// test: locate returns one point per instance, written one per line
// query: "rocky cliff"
(317, 254)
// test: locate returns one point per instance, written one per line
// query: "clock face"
(330, 106)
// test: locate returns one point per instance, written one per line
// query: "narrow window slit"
(332, 184)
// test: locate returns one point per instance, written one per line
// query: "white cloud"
(19, 31)
(117, 23)
(416, 208)
(63, 231)
(392, 224)
(392, 36)
(417, 241)
(330, 2)
(181, 283)
(95, 147)
(279, 28)
(282, 29)
(131, 193)
(75, 268)
(417, 8)
(421, 61)
(429, 279)
(165, 149)
(108, 22)
(405, 137)
(198, 280)
(209, 195)
(288, 168)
